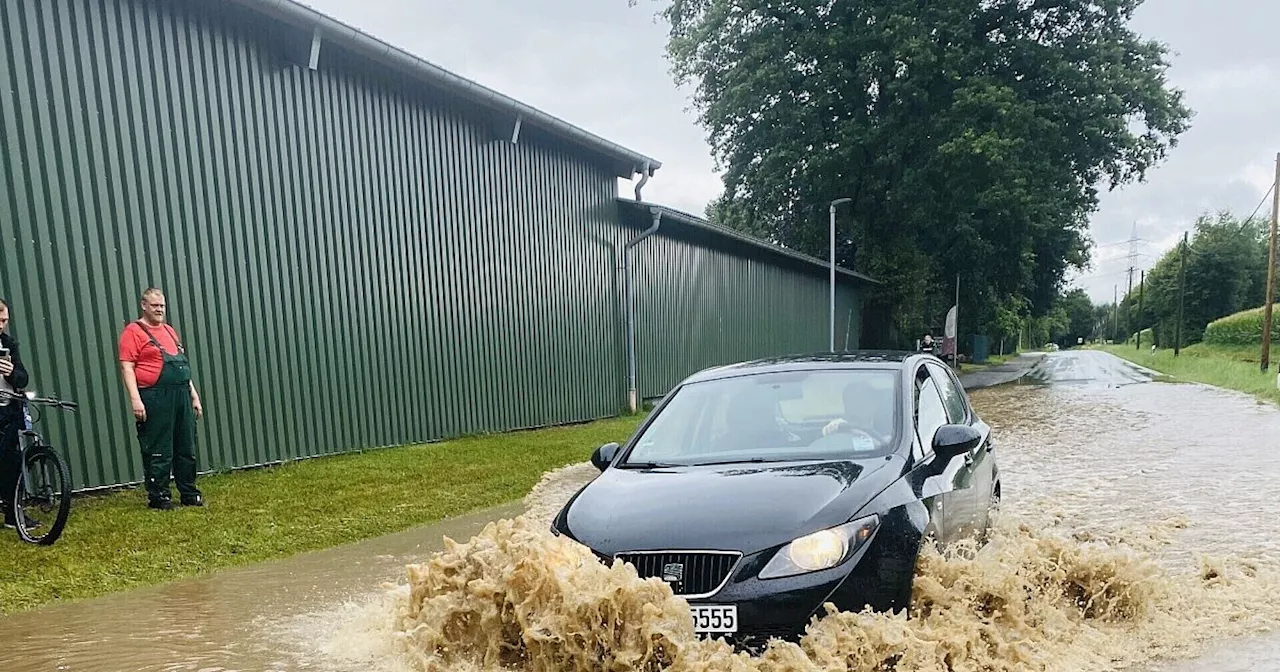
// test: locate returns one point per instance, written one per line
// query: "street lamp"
(834, 203)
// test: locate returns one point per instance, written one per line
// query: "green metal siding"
(351, 259)
(349, 266)
(698, 306)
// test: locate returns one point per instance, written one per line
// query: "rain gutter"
(323, 27)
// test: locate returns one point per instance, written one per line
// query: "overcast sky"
(601, 65)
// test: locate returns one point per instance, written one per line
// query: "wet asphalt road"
(1087, 367)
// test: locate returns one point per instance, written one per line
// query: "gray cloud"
(600, 64)
(1223, 57)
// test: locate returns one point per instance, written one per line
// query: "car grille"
(698, 573)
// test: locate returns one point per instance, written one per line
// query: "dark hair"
(5, 304)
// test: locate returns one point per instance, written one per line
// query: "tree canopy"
(1226, 272)
(972, 135)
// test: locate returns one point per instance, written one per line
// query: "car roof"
(856, 359)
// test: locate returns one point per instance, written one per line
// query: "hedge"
(1243, 328)
(1148, 337)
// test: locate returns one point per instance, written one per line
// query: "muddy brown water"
(1153, 499)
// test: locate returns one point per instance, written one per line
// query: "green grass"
(992, 360)
(1231, 367)
(113, 542)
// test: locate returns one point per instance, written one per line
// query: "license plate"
(714, 617)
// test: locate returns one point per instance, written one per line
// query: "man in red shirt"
(157, 376)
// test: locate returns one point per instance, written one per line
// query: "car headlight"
(823, 549)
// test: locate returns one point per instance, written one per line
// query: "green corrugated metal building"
(359, 248)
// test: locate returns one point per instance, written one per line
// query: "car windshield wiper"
(750, 460)
(648, 465)
(757, 460)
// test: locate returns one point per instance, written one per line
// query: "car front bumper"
(783, 607)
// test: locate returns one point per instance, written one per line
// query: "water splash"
(1101, 561)
(515, 597)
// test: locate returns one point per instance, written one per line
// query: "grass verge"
(992, 360)
(113, 542)
(1231, 367)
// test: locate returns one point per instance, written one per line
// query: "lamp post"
(832, 237)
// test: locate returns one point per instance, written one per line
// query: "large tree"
(972, 135)
(1226, 272)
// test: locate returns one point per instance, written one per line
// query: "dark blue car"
(759, 491)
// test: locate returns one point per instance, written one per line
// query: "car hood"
(744, 507)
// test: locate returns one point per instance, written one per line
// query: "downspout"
(633, 392)
(644, 177)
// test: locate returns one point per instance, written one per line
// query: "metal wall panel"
(349, 264)
(352, 260)
(699, 305)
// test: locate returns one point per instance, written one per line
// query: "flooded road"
(271, 616)
(1090, 454)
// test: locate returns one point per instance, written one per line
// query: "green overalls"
(168, 435)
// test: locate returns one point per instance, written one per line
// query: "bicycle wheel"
(45, 498)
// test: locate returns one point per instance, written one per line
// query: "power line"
(1126, 241)
(1094, 276)
(1249, 219)
(1134, 239)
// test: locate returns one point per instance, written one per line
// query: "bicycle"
(44, 481)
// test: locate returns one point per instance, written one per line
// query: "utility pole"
(1115, 313)
(832, 260)
(955, 351)
(1182, 292)
(1271, 275)
(1128, 314)
(1133, 254)
(1142, 281)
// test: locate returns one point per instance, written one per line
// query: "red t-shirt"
(136, 347)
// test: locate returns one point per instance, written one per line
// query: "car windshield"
(771, 417)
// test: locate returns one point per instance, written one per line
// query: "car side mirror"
(952, 440)
(604, 455)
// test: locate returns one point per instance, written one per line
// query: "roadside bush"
(1242, 328)
(1148, 337)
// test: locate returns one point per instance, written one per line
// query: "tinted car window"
(773, 417)
(952, 399)
(930, 411)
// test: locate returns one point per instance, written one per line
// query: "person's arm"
(195, 396)
(131, 388)
(195, 401)
(128, 356)
(18, 377)
(834, 426)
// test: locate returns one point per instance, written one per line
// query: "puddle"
(224, 621)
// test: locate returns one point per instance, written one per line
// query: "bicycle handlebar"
(40, 401)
